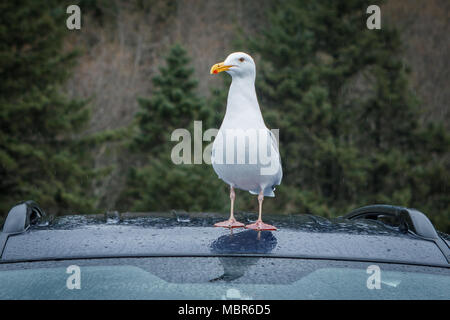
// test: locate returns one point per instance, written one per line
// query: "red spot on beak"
(215, 71)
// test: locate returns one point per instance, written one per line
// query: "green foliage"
(342, 148)
(159, 184)
(42, 156)
(173, 103)
(217, 103)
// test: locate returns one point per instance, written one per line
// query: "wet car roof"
(178, 234)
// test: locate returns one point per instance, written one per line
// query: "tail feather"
(268, 192)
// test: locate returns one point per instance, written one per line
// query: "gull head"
(238, 65)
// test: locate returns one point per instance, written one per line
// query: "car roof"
(180, 234)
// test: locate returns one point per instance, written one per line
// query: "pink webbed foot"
(260, 226)
(230, 224)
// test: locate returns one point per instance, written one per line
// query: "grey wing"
(274, 144)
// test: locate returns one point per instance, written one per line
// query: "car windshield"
(243, 278)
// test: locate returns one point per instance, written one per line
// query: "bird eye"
(241, 59)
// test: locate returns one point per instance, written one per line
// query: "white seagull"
(245, 153)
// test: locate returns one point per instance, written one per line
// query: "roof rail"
(408, 220)
(19, 219)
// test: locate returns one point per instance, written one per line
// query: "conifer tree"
(158, 183)
(173, 98)
(41, 155)
(350, 130)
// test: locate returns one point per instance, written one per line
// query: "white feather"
(243, 115)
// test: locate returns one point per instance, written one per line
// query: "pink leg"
(259, 225)
(230, 223)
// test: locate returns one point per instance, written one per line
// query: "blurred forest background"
(86, 115)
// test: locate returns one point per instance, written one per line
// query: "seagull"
(245, 152)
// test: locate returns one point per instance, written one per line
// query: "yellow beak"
(219, 67)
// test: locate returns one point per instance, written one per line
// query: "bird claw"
(260, 226)
(230, 224)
